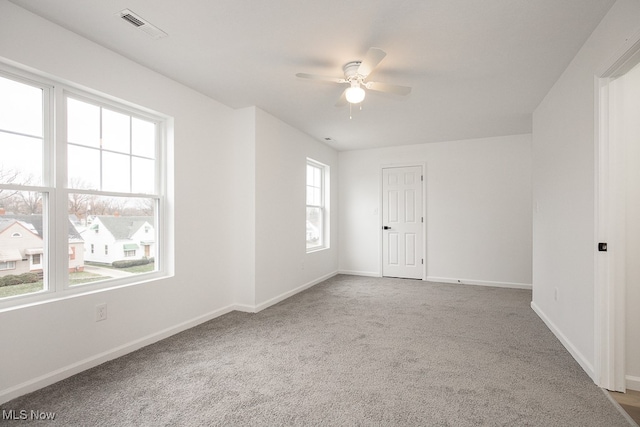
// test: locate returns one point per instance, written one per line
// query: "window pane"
(314, 228)
(309, 175)
(314, 196)
(309, 195)
(20, 160)
(144, 138)
(317, 197)
(20, 107)
(116, 132)
(124, 225)
(317, 177)
(83, 123)
(116, 172)
(143, 175)
(22, 243)
(84, 167)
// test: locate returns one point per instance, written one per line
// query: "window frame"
(55, 190)
(6, 267)
(323, 206)
(33, 260)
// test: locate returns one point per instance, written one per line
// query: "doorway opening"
(617, 290)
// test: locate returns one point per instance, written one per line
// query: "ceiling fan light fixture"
(355, 94)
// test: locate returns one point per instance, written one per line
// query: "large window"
(76, 172)
(317, 197)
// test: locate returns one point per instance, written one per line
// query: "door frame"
(609, 267)
(423, 165)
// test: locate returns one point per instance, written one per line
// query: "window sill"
(49, 296)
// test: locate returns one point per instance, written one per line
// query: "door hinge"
(423, 261)
(421, 177)
(421, 219)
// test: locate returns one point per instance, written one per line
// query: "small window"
(129, 253)
(16, 235)
(106, 249)
(8, 265)
(36, 259)
(92, 248)
(317, 196)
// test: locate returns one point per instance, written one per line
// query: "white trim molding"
(609, 267)
(633, 383)
(511, 285)
(579, 357)
(359, 273)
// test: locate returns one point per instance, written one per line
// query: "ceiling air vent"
(141, 24)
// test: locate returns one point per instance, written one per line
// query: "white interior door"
(402, 222)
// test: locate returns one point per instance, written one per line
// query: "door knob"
(386, 227)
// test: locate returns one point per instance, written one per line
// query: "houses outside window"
(104, 160)
(317, 197)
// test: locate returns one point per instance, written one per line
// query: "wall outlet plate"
(101, 312)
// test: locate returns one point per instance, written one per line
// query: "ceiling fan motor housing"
(351, 70)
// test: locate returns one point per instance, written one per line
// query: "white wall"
(243, 180)
(563, 150)
(478, 209)
(50, 340)
(282, 264)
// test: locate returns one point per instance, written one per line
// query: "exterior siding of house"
(76, 255)
(145, 237)
(27, 240)
(98, 236)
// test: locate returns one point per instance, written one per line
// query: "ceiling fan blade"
(371, 61)
(383, 87)
(343, 99)
(321, 78)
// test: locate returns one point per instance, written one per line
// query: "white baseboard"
(480, 283)
(633, 383)
(93, 361)
(359, 273)
(285, 295)
(579, 357)
(245, 308)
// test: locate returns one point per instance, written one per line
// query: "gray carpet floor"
(349, 351)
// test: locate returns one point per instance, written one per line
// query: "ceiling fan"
(355, 74)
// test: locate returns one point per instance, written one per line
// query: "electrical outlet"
(101, 312)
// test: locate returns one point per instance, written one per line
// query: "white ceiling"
(477, 68)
